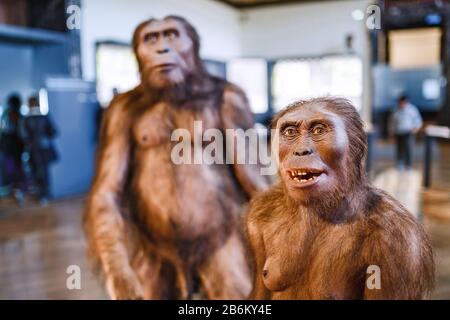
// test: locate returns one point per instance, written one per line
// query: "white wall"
(292, 30)
(217, 24)
(309, 29)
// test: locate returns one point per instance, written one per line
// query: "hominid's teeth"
(303, 176)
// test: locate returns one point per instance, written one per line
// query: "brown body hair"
(158, 230)
(326, 249)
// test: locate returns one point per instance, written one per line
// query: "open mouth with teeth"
(304, 175)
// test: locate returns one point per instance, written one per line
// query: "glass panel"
(302, 79)
(251, 76)
(117, 69)
(415, 48)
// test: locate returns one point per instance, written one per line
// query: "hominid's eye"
(318, 129)
(290, 131)
(150, 37)
(171, 34)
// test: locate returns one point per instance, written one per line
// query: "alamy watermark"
(373, 20)
(373, 280)
(73, 281)
(372, 15)
(232, 146)
(73, 21)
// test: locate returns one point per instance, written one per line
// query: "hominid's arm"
(403, 261)
(103, 221)
(236, 115)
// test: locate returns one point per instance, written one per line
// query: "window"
(117, 69)
(251, 76)
(414, 48)
(297, 79)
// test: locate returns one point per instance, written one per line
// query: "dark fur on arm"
(103, 221)
(236, 114)
(399, 245)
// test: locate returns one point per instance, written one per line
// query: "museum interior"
(67, 59)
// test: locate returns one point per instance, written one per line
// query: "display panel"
(251, 76)
(117, 71)
(296, 79)
(414, 48)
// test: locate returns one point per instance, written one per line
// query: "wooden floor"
(37, 244)
(431, 206)
(436, 210)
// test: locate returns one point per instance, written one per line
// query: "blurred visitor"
(12, 146)
(406, 122)
(38, 133)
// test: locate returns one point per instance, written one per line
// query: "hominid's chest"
(162, 123)
(308, 263)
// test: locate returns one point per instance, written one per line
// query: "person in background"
(406, 122)
(39, 132)
(12, 146)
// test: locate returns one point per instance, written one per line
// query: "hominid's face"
(313, 144)
(165, 53)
